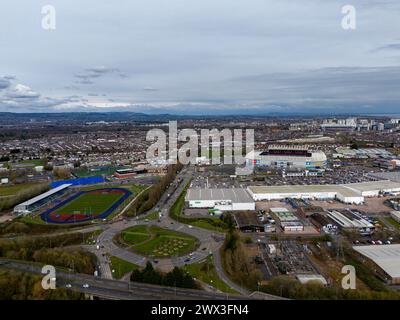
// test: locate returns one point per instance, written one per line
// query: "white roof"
(44, 195)
(385, 256)
(395, 214)
(346, 190)
(304, 189)
(274, 210)
(347, 222)
(304, 278)
(382, 185)
(237, 195)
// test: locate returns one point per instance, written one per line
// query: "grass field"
(205, 272)
(157, 242)
(151, 216)
(15, 189)
(36, 162)
(135, 235)
(89, 204)
(135, 188)
(121, 267)
(393, 222)
(88, 173)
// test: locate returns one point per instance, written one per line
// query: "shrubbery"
(175, 278)
(149, 198)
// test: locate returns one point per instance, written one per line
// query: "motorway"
(115, 289)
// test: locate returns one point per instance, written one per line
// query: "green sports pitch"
(87, 205)
(90, 204)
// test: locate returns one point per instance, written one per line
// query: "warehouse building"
(317, 192)
(375, 188)
(235, 199)
(38, 201)
(287, 220)
(353, 193)
(387, 257)
(286, 157)
(348, 219)
(248, 222)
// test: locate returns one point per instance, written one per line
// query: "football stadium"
(86, 205)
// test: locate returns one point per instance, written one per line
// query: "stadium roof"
(237, 195)
(44, 195)
(385, 256)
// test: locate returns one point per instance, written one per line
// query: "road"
(210, 241)
(114, 289)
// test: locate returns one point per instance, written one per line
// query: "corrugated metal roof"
(385, 256)
(43, 195)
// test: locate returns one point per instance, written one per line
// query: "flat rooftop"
(304, 189)
(305, 278)
(347, 190)
(237, 195)
(374, 185)
(385, 256)
(245, 219)
(392, 176)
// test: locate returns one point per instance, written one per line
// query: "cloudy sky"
(194, 57)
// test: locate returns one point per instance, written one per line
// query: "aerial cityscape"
(207, 158)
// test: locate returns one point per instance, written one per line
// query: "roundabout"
(156, 242)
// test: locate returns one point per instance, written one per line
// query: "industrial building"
(387, 257)
(125, 173)
(348, 219)
(395, 216)
(36, 202)
(287, 157)
(287, 220)
(306, 278)
(375, 188)
(318, 192)
(234, 199)
(362, 153)
(248, 222)
(353, 193)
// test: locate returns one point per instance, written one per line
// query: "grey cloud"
(90, 74)
(101, 70)
(206, 56)
(4, 83)
(390, 47)
(150, 89)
